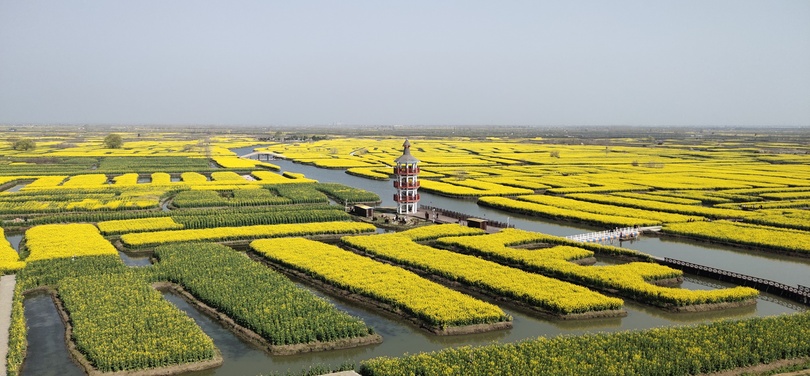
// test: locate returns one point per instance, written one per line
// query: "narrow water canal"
(134, 260)
(17, 187)
(14, 239)
(47, 353)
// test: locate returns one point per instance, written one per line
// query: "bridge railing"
(464, 216)
(606, 235)
(800, 290)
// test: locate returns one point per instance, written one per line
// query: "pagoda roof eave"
(407, 158)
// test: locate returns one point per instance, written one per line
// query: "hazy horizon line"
(148, 125)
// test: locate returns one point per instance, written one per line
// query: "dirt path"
(760, 369)
(7, 283)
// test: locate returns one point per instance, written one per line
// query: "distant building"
(406, 173)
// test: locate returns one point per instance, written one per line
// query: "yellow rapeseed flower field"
(536, 290)
(632, 280)
(66, 240)
(9, 259)
(246, 232)
(138, 225)
(433, 303)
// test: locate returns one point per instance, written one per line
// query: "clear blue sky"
(689, 62)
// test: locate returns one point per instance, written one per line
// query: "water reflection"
(668, 318)
(135, 260)
(47, 353)
(780, 268)
(14, 240)
(240, 358)
(16, 188)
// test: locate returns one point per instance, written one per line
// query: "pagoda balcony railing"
(406, 185)
(406, 171)
(413, 198)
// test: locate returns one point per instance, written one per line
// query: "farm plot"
(605, 209)
(120, 323)
(240, 197)
(259, 216)
(445, 311)
(346, 194)
(85, 181)
(795, 219)
(665, 207)
(288, 318)
(548, 211)
(9, 259)
(685, 350)
(632, 280)
(138, 225)
(546, 294)
(66, 241)
(761, 237)
(470, 188)
(218, 234)
(267, 177)
(27, 203)
(202, 217)
(249, 195)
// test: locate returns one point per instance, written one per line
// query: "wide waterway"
(400, 337)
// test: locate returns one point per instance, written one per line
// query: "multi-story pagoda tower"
(406, 173)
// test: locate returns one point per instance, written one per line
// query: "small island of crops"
(437, 308)
(276, 256)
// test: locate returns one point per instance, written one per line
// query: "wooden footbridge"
(800, 294)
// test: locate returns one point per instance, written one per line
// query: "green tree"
(113, 141)
(24, 144)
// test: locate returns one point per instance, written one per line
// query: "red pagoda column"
(406, 181)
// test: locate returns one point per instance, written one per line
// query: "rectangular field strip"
(70, 240)
(254, 296)
(121, 323)
(428, 301)
(630, 280)
(246, 232)
(536, 290)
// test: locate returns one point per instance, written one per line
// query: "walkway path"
(7, 283)
(261, 155)
(609, 235)
(439, 217)
(800, 294)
